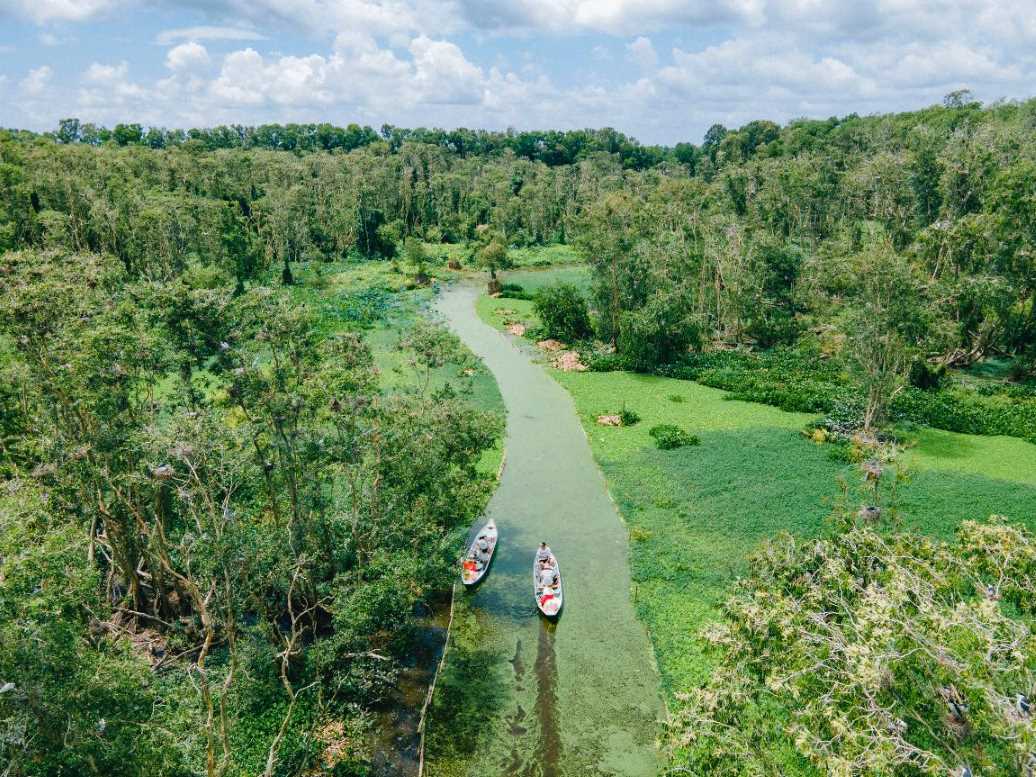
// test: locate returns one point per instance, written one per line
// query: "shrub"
(514, 291)
(563, 312)
(925, 377)
(628, 417)
(837, 633)
(667, 437)
(603, 361)
(658, 333)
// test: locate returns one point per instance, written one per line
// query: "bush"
(514, 291)
(603, 361)
(667, 437)
(658, 333)
(836, 633)
(923, 376)
(628, 417)
(563, 312)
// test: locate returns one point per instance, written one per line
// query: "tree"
(880, 654)
(657, 333)
(68, 131)
(887, 324)
(128, 134)
(417, 257)
(493, 257)
(713, 137)
(562, 311)
(607, 238)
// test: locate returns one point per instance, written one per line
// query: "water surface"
(579, 697)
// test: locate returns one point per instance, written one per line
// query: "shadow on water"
(468, 695)
(397, 719)
(548, 746)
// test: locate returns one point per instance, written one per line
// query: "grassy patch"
(696, 512)
(545, 256)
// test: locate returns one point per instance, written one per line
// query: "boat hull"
(470, 576)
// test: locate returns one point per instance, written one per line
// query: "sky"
(662, 71)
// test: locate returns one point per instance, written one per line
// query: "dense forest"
(201, 476)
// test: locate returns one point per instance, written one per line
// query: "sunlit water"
(579, 697)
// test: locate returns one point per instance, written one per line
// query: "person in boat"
(543, 553)
(548, 577)
(482, 549)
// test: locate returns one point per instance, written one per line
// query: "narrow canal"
(579, 697)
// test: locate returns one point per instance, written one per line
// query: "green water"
(579, 697)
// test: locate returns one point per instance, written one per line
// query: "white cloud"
(35, 83)
(42, 11)
(106, 74)
(442, 75)
(643, 52)
(358, 71)
(168, 37)
(401, 61)
(187, 56)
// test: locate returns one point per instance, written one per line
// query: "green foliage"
(82, 700)
(515, 291)
(492, 256)
(416, 256)
(275, 530)
(798, 381)
(887, 327)
(563, 313)
(893, 628)
(660, 332)
(628, 417)
(668, 437)
(706, 510)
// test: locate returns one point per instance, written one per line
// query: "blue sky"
(661, 70)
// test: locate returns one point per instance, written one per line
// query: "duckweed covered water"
(528, 697)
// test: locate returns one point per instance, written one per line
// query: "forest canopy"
(216, 516)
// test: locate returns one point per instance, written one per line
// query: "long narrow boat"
(549, 598)
(476, 561)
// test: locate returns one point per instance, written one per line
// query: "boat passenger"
(543, 553)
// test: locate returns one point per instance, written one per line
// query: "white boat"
(549, 596)
(476, 561)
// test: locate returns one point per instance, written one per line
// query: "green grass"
(699, 511)
(544, 256)
(696, 513)
(533, 280)
(522, 258)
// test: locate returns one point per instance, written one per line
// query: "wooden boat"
(549, 599)
(475, 565)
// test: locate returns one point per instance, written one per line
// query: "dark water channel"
(579, 697)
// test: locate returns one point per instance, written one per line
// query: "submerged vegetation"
(231, 486)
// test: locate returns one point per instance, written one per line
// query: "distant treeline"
(760, 236)
(552, 147)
